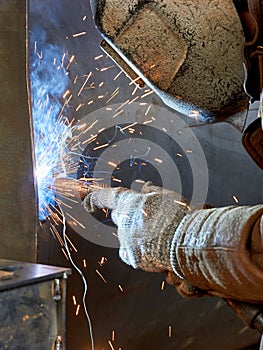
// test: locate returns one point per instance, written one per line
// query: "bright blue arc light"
(49, 80)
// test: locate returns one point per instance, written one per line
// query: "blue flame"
(49, 80)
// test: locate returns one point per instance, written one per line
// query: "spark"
(120, 288)
(116, 180)
(75, 79)
(144, 212)
(118, 113)
(66, 93)
(102, 260)
(117, 76)
(102, 129)
(243, 330)
(134, 90)
(114, 94)
(112, 164)
(147, 111)
(72, 245)
(113, 335)
(106, 68)
(124, 103)
(65, 254)
(180, 203)
(158, 160)
(77, 310)
(163, 284)
(103, 279)
(169, 331)
(148, 121)
(79, 106)
(72, 58)
(92, 138)
(235, 199)
(134, 81)
(78, 34)
(135, 98)
(139, 181)
(128, 126)
(101, 146)
(74, 300)
(98, 57)
(110, 344)
(147, 94)
(84, 263)
(57, 235)
(179, 155)
(85, 82)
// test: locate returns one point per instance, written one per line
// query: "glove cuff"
(173, 258)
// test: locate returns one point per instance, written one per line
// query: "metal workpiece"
(30, 317)
(18, 209)
(190, 55)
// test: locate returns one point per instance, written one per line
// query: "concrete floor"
(132, 303)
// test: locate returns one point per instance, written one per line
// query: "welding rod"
(75, 187)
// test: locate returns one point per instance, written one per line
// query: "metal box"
(32, 301)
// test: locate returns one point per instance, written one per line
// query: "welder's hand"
(146, 222)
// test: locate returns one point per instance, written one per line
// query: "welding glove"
(146, 222)
(216, 251)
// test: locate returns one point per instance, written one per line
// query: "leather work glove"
(146, 222)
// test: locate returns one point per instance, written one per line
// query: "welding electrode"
(75, 187)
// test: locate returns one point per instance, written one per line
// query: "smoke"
(48, 82)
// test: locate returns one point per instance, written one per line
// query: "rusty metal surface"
(17, 194)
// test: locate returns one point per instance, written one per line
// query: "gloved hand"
(146, 222)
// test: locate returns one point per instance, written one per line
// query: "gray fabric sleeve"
(220, 251)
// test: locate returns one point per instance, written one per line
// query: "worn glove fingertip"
(88, 203)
